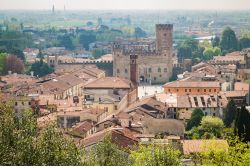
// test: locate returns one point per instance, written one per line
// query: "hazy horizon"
(125, 5)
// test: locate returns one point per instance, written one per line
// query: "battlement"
(164, 26)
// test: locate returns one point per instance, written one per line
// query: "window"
(177, 90)
(165, 70)
(159, 70)
(149, 70)
(29, 103)
(126, 71)
(205, 90)
(205, 113)
(189, 90)
(198, 90)
(210, 90)
(15, 103)
(214, 90)
(160, 75)
(168, 90)
(118, 71)
(185, 90)
(154, 78)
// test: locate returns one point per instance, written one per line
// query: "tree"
(107, 154)
(21, 143)
(210, 127)
(244, 42)
(216, 41)
(19, 53)
(14, 64)
(86, 38)
(217, 51)
(97, 53)
(242, 128)
(3, 58)
(236, 154)
(41, 69)
(195, 119)
(66, 42)
(208, 53)
(229, 42)
(230, 113)
(55, 149)
(152, 155)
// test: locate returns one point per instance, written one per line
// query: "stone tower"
(164, 37)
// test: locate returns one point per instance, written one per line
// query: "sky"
(126, 4)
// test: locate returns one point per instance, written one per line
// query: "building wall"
(152, 67)
(191, 91)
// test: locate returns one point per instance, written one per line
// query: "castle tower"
(164, 37)
(133, 69)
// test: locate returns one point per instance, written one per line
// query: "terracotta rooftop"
(235, 93)
(109, 83)
(189, 84)
(239, 86)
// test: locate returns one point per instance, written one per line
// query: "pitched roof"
(123, 137)
(170, 126)
(191, 84)
(109, 83)
(196, 146)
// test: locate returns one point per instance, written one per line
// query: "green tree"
(152, 155)
(216, 41)
(97, 53)
(195, 119)
(238, 153)
(242, 127)
(3, 58)
(217, 51)
(244, 42)
(107, 154)
(230, 113)
(66, 42)
(86, 38)
(212, 125)
(208, 53)
(21, 143)
(41, 68)
(55, 149)
(229, 42)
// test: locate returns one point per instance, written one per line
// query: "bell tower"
(133, 69)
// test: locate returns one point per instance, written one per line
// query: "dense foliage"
(41, 68)
(230, 113)
(152, 155)
(210, 127)
(21, 143)
(195, 119)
